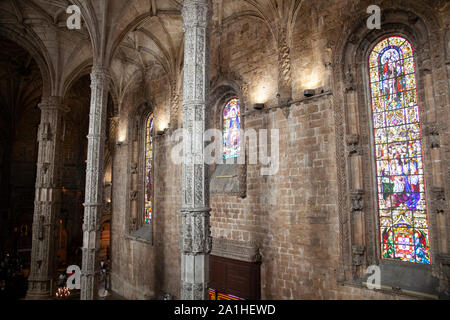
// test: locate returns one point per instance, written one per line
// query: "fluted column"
(90, 272)
(47, 203)
(195, 242)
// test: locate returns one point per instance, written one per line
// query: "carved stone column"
(195, 242)
(100, 79)
(47, 200)
(284, 68)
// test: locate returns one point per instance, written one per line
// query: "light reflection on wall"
(264, 91)
(312, 79)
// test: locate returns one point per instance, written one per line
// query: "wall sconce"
(162, 132)
(121, 143)
(258, 106)
(310, 93)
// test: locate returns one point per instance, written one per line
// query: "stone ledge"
(401, 293)
(143, 234)
(236, 250)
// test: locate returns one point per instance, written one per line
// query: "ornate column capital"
(100, 75)
(53, 103)
(196, 13)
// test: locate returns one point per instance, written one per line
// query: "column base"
(39, 290)
(38, 296)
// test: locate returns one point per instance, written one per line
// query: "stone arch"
(358, 234)
(223, 90)
(82, 70)
(31, 42)
(90, 18)
(131, 26)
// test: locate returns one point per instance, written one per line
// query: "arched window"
(148, 170)
(232, 129)
(402, 204)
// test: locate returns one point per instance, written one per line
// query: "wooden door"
(236, 278)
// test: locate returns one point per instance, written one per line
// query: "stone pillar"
(47, 199)
(90, 273)
(284, 68)
(195, 242)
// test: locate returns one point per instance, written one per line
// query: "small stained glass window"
(402, 204)
(232, 129)
(148, 170)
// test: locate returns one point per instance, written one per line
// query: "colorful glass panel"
(218, 295)
(402, 205)
(148, 170)
(232, 129)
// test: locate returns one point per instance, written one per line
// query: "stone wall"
(293, 216)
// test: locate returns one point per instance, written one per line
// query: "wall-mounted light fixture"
(258, 106)
(310, 93)
(162, 132)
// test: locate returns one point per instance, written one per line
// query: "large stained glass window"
(402, 204)
(148, 170)
(232, 129)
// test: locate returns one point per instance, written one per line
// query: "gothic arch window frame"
(370, 96)
(365, 110)
(359, 243)
(137, 148)
(222, 92)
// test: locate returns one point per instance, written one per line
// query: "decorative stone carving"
(237, 250)
(356, 200)
(175, 103)
(243, 181)
(353, 39)
(133, 195)
(45, 167)
(439, 200)
(286, 111)
(353, 145)
(40, 227)
(113, 127)
(284, 59)
(186, 235)
(358, 254)
(284, 66)
(195, 242)
(134, 168)
(46, 131)
(100, 79)
(349, 81)
(48, 199)
(432, 131)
